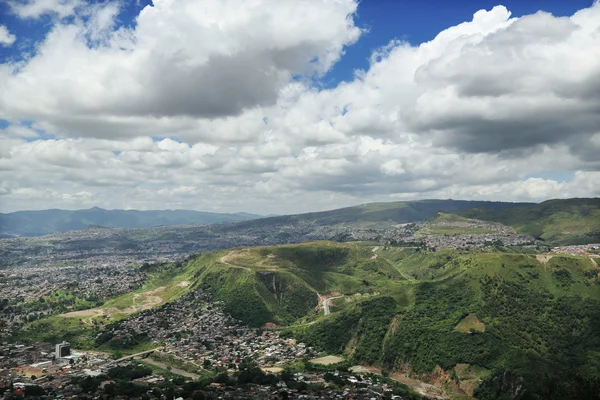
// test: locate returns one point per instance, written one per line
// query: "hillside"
(560, 222)
(257, 285)
(526, 327)
(493, 324)
(373, 215)
(37, 223)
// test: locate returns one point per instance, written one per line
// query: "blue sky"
(420, 21)
(195, 108)
(409, 20)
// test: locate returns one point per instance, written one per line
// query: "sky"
(281, 106)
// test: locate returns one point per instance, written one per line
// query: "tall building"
(62, 350)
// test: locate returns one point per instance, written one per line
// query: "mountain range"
(560, 221)
(37, 223)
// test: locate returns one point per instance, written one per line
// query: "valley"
(452, 306)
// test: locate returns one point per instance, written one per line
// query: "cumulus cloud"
(213, 108)
(6, 38)
(183, 58)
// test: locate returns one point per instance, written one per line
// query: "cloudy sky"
(276, 106)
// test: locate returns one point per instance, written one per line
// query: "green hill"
(561, 222)
(37, 223)
(382, 214)
(529, 327)
(282, 283)
(501, 325)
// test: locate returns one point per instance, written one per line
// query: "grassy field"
(470, 324)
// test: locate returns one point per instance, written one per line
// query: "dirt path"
(227, 257)
(225, 260)
(397, 268)
(173, 370)
(543, 258)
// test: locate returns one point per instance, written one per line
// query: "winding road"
(326, 304)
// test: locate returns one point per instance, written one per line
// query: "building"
(62, 350)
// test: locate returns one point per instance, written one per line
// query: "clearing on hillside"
(327, 360)
(272, 370)
(470, 323)
(469, 377)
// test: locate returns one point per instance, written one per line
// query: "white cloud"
(474, 113)
(37, 8)
(6, 38)
(183, 59)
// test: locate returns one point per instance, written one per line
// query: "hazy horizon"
(279, 109)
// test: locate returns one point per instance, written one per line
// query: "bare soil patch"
(272, 370)
(424, 389)
(327, 360)
(93, 312)
(543, 258)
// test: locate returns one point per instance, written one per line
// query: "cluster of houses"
(475, 241)
(431, 235)
(592, 250)
(198, 331)
(32, 293)
(45, 363)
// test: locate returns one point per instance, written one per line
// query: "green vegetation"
(55, 329)
(541, 323)
(503, 317)
(382, 214)
(81, 328)
(560, 222)
(67, 299)
(358, 330)
(280, 284)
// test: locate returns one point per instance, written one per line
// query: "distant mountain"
(37, 223)
(384, 214)
(568, 221)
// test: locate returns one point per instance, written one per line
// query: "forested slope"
(529, 328)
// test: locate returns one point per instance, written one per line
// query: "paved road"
(326, 304)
